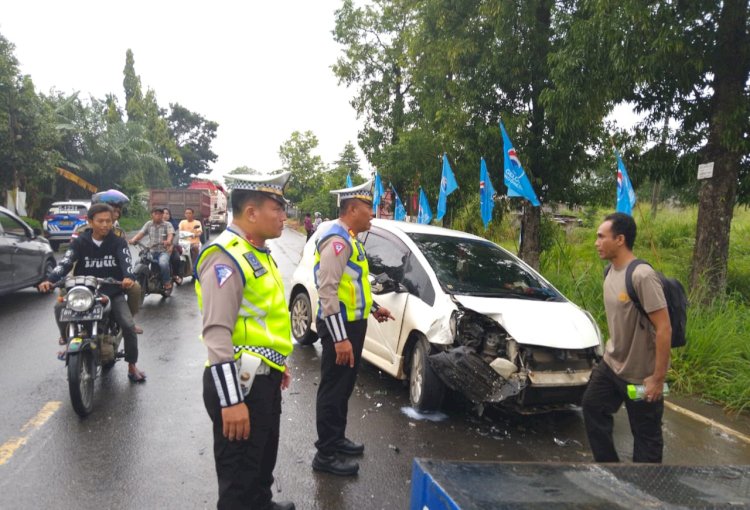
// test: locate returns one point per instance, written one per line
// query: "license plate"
(94, 314)
(65, 223)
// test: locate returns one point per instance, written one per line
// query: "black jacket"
(110, 260)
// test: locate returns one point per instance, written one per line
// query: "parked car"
(470, 316)
(26, 258)
(62, 219)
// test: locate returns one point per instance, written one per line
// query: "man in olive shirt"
(637, 352)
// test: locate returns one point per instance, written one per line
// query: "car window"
(11, 226)
(386, 254)
(478, 267)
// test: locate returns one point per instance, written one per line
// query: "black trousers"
(123, 316)
(245, 468)
(336, 385)
(603, 397)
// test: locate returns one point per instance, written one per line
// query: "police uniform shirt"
(332, 266)
(221, 303)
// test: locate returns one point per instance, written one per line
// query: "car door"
(386, 254)
(24, 254)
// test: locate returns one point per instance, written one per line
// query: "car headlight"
(80, 299)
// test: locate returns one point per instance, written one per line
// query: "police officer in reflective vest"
(345, 302)
(247, 332)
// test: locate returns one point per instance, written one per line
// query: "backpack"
(675, 295)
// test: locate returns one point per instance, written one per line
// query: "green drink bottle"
(638, 391)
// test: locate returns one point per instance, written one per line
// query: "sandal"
(177, 280)
(137, 377)
(138, 331)
(62, 341)
(61, 355)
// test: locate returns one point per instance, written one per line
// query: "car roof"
(72, 202)
(417, 228)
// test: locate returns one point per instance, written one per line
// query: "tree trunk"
(655, 192)
(718, 194)
(530, 235)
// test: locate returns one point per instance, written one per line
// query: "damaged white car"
(470, 316)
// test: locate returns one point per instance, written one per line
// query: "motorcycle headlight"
(80, 299)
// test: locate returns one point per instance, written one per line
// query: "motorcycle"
(93, 337)
(148, 274)
(186, 255)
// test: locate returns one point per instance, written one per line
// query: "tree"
(27, 133)
(297, 157)
(685, 62)
(133, 91)
(193, 135)
(244, 170)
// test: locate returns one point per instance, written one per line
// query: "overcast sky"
(260, 69)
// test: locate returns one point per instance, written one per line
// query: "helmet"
(317, 214)
(111, 197)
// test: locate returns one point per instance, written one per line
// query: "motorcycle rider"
(117, 200)
(160, 234)
(193, 226)
(100, 252)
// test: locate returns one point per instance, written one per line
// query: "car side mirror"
(383, 284)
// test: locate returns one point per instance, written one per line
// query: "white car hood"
(560, 325)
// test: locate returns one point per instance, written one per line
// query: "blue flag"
(425, 213)
(377, 193)
(514, 176)
(349, 180)
(399, 211)
(625, 191)
(486, 194)
(448, 185)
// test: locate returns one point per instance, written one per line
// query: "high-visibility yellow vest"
(354, 288)
(263, 327)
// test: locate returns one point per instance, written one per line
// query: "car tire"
(301, 315)
(426, 390)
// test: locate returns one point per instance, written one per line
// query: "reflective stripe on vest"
(263, 326)
(354, 288)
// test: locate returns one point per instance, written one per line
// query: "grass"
(715, 364)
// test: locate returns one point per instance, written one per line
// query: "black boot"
(332, 464)
(349, 447)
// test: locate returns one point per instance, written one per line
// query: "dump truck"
(218, 217)
(177, 200)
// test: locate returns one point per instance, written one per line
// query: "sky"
(260, 69)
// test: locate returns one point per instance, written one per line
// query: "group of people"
(100, 249)
(246, 329)
(247, 332)
(312, 225)
(163, 232)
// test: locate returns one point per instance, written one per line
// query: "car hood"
(560, 325)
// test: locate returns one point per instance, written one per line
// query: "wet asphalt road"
(149, 446)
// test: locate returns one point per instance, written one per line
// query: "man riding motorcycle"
(100, 252)
(160, 234)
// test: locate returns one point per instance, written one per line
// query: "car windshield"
(480, 268)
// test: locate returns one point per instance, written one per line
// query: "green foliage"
(193, 135)
(297, 157)
(93, 138)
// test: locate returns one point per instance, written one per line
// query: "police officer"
(247, 332)
(345, 302)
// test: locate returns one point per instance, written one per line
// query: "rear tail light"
(82, 217)
(48, 217)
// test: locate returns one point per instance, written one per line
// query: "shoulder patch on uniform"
(338, 247)
(223, 273)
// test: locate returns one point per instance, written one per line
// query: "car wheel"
(426, 390)
(302, 319)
